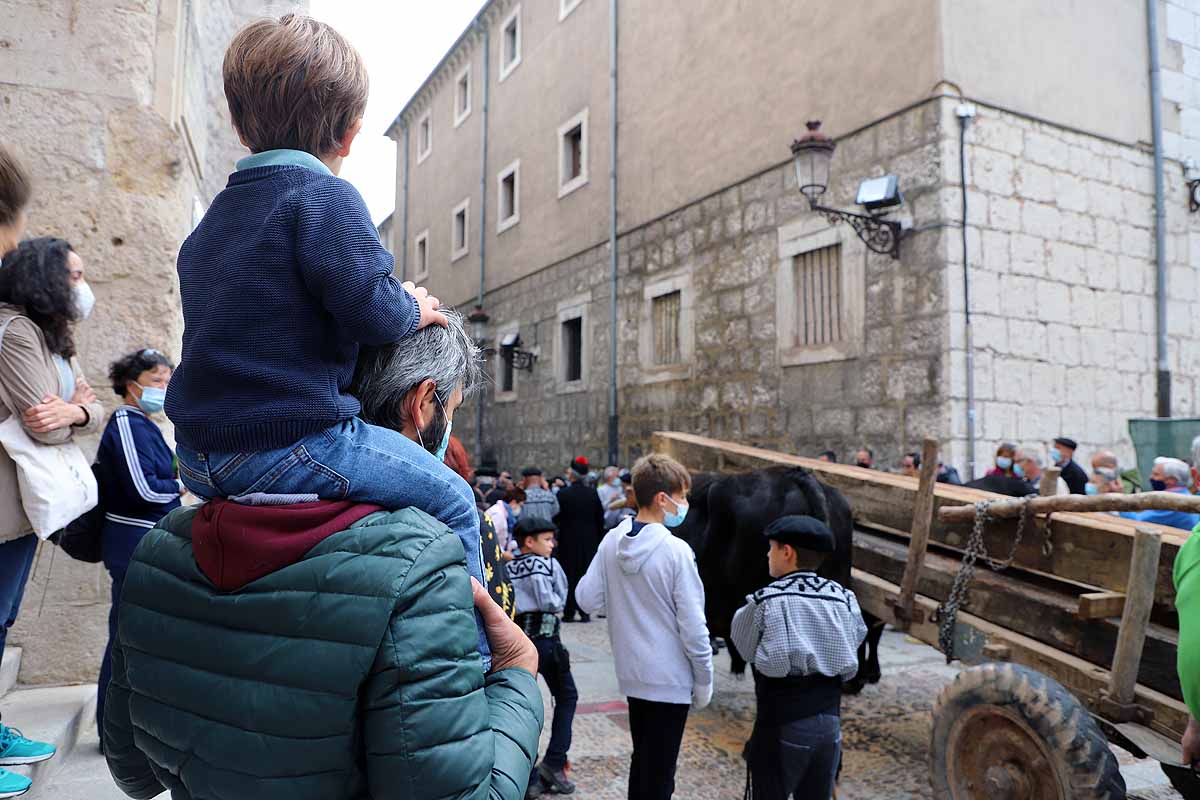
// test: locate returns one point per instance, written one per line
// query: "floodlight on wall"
(510, 350)
(812, 155)
(1191, 174)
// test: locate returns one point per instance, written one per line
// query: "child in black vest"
(801, 634)
(540, 588)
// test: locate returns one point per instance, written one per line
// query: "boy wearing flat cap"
(540, 587)
(801, 634)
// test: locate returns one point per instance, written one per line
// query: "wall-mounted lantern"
(1191, 174)
(812, 154)
(510, 350)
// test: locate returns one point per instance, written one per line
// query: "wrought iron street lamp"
(812, 154)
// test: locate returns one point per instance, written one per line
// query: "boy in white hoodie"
(646, 580)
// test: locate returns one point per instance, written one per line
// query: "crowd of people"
(1017, 471)
(317, 552)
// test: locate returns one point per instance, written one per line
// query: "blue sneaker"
(12, 784)
(16, 749)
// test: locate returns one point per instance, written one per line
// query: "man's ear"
(424, 404)
(348, 138)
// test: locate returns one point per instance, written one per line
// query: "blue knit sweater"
(281, 282)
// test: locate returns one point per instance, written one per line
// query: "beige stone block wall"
(117, 111)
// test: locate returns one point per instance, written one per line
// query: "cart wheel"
(1185, 781)
(1006, 732)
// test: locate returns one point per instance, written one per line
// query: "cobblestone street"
(885, 729)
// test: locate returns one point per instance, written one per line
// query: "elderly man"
(1131, 479)
(1029, 464)
(1187, 603)
(540, 502)
(1168, 475)
(1062, 453)
(611, 491)
(864, 458)
(323, 649)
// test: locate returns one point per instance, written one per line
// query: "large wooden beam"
(922, 522)
(1127, 658)
(1080, 503)
(1092, 550)
(1086, 681)
(1041, 610)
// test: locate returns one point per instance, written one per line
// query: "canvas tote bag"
(55, 480)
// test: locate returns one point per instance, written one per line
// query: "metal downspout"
(1160, 217)
(483, 193)
(613, 415)
(404, 215)
(968, 333)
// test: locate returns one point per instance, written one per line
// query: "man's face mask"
(436, 436)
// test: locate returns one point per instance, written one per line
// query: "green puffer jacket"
(351, 673)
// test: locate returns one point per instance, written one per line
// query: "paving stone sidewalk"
(885, 729)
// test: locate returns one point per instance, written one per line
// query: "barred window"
(665, 314)
(818, 283)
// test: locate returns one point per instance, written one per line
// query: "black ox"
(724, 527)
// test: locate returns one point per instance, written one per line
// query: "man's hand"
(84, 396)
(52, 414)
(510, 646)
(428, 304)
(1191, 744)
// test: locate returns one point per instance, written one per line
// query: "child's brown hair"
(293, 83)
(15, 188)
(658, 473)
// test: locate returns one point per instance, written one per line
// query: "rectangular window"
(507, 374)
(424, 137)
(665, 312)
(573, 154)
(460, 228)
(510, 43)
(421, 255)
(818, 298)
(572, 342)
(565, 7)
(509, 196)
(462, 96)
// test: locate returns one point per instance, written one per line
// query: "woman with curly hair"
(42, 295)
(136, 472)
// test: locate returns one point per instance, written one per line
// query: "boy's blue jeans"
(350, 461)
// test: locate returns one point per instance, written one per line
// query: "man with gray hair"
(1029, 464)
(1168, 475)
(325, 649)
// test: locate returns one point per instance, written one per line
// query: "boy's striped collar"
(284, 158)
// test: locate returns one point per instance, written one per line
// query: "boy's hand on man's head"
(428, 304)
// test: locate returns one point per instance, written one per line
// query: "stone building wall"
(726, 250)
(1061, 248)
(117, 111)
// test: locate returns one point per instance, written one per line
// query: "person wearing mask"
(43, 295)
(1029, 465)
(1169, 475)
(503, 514)
(910, 465)
(580, 523)
(864, 458)
(611, 491)
(828, 456)
(135, 470)
(1104, 481)
(1004, 460)
(324, 650)
(540, 502)
(1063, 456)
(1131, 479)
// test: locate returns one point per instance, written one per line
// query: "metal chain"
(947, 612)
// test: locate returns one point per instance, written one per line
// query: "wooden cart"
(1074, 641)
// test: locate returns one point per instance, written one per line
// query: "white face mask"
(84, 299)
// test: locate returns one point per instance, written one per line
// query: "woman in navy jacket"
(137, 476)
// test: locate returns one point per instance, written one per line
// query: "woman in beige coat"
(42, 294)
